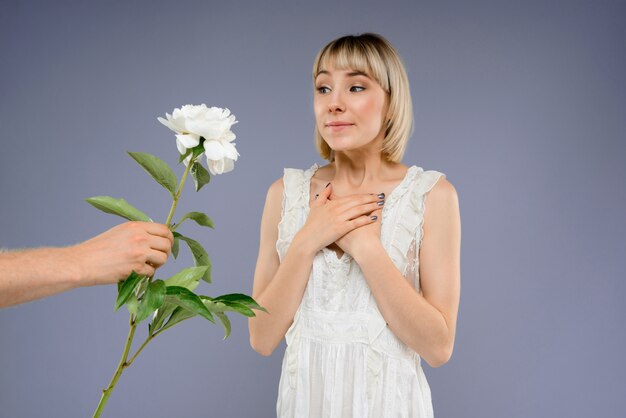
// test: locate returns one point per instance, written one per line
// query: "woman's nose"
(336, 103)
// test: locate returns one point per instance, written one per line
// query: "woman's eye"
(356, 88)
(323, 89)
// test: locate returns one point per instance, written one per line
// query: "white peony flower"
(193, 122)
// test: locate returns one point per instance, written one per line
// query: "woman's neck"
(359, 170)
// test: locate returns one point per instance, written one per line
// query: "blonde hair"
(374, 55)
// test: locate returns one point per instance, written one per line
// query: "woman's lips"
(338, 126)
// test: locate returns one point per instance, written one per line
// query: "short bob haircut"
(374, 55)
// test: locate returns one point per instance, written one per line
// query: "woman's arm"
(277, 287)
(424, 321)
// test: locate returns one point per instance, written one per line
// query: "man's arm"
(105, 259)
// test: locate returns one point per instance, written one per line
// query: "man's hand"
(112, 255)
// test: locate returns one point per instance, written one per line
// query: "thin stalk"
(118, 372)
(145, 343)
(177, 194)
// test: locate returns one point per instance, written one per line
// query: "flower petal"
(180, 146)
(167, 122)
(214, 150)
(228, 165)
(189, 140)
(215, 167)
(228, 136)
(220, 166)
(230, 151)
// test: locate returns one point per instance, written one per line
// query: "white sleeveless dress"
(342, 360)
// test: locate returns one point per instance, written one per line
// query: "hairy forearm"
(408, 313)
(281, 298)
(32, 274)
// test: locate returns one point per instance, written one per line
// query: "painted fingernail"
(381, 196)
(327, 185)
(373, 217)
(382, 202)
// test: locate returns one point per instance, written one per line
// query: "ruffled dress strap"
(409, 221)
(296, 189)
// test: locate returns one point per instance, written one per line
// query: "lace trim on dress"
(410, 220)
(401, 189)
(430, 178)
(295, 198)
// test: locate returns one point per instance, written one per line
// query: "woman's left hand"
(358, 238)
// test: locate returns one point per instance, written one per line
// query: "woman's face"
(350, 109)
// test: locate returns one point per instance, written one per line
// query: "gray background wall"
(522, 104)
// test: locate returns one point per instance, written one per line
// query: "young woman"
(359, 260)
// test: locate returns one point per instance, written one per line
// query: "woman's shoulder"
(434, 183)
(291, 175)
(299, 172)
(427, 179)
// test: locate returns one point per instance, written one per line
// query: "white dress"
(342, 360)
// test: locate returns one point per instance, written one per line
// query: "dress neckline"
(392, 197)
(390, 200)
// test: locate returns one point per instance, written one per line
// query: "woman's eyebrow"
(350, 74)
(322, 72)
(357, 73)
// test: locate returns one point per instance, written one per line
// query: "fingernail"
(382, 202)
(373, 217)
(381, 196)
(316, 196)
(327, 185)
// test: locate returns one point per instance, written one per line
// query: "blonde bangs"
(350, 54)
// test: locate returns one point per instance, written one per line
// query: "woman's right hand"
(329, 220)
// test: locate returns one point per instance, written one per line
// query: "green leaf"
(200, 256)
(213, 306)
(132, 304)
(194, 152)
(152, 299)
(186, 299)
(125, 289)
(218, 309)
(187, 278)
(198, 149)
(158, 169)
(183, 156)
(161, 315)
(175, 246)
(225, 323)
(238, 307)
(178, 316)
(200, 175)
(118, 207)
(216, 305)
(242, 299)
(199, 217)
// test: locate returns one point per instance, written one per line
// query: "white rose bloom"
(191, 122)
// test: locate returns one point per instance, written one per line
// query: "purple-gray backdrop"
(522, 104)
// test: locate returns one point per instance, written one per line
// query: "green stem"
(118, 372)
(177, 195)
(145, 343)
